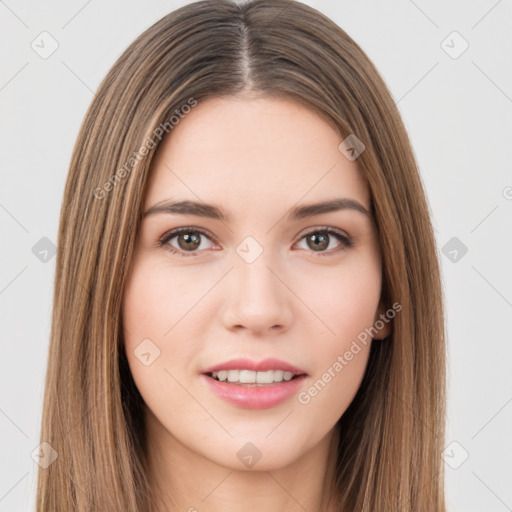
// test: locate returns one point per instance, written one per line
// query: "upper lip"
(256, 366)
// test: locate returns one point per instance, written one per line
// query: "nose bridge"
(259, 298)
(255, 280)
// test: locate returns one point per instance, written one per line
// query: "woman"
(248, 307)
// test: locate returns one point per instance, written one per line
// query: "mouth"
(252, 378)
(249, 389)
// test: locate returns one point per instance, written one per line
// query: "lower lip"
(250, 396)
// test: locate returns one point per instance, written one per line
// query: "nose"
(259, 299)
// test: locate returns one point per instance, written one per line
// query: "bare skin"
(299, 302)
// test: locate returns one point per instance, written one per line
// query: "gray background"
(457, 111)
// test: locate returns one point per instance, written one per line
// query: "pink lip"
(261, 366)
(250, 396)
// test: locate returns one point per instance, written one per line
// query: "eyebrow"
(215, 212)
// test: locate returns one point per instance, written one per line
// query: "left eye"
(321, 239)
(318, 241)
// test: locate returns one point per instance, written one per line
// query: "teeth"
(233, 375)
(250, 377)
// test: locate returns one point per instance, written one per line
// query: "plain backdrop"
(448, 65)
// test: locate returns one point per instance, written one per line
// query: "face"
(287, 294)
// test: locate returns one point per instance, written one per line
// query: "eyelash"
(346, 241)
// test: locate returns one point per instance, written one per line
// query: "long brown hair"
(392, 435)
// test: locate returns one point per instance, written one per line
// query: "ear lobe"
(382, 323)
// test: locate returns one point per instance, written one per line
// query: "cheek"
(142, 309)
(156, 299)
(151, 309)
(347, 307)
(346, 299)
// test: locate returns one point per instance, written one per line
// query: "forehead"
(249, 152)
